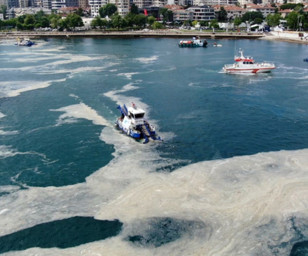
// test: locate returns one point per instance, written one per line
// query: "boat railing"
(230, 65)
(266, 64)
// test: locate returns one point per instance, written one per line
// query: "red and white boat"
(247, 65)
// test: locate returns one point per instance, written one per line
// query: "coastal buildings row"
(124, 4)
(200, 10)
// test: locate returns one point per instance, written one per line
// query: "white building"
(182, 15)
(58, 4)
(95, 5)
(215, 2)
(143, 3)
(204, 13)
(122, 5)
(265, 10)
(160, 3)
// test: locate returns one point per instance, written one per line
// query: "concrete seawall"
(129, 34)
(288, 36)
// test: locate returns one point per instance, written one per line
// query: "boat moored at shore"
(247, 65)
(132, 123)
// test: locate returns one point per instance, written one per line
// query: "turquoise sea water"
(230, 177)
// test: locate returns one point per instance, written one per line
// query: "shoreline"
(129, 34)
(291, 37)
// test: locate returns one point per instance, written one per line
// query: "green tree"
(273, 19)
(214, 24)
(222, 15)
(97, 22)
(117, 21)
(73, 20)
(163, 12)
(157, 25)
(107, 10)
(204, 23)
(251, 16)
(62, 24)
(29, 20)
(237, 21)
(39, 15)
(151, 20)
(11, 22)
(79, 11)
(21, 19)
(187, 23)
(140, 20)
(3, 9)
(134, 9)
(290, 6)
(167, 14)
(44, 22)
(130, 19)
(54, 20)
(194, 23)
(257, 21)
(19, 25)
(292, 20)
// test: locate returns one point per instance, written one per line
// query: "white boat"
(24, 42)
(217, 45)
(132, 123)
(247, 65)
(195, 42)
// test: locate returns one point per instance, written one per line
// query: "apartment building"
(3, 2)
(83, 4)
(122, 5)
(23, 3)
(202, 13)
(214, 2)
(95, 5)
(159, 3)
(143, 3)
(233, 11)
(264, 9)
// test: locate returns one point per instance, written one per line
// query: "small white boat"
(24, 42)
(217, 45)
(132, 123)
(247, 65)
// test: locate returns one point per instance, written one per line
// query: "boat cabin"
(248, 62)
(136, 114)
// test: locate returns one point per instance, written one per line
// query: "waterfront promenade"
(129, 34)
(288, 36)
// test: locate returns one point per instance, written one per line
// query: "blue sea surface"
(231, 142)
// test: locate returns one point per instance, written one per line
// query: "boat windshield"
(139, 115)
